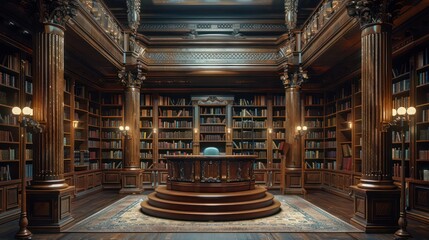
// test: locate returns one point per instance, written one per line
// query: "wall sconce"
(300, 131)
(75, 124)
(125, 131)
(350, 124)
(228, 130)
(27, 121)
(195, 130)
(155, 130)
(270, 130)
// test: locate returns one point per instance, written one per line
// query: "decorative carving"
(291, 13)
(210, 171)
(373, 11)
(57, 11)
(213, 100)
(133, 10)
(212, 57)
(293, 79)
(204, 27)
(132, 78)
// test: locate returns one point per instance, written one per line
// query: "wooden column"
(131, 78)
(292, 80)
(49, 196)
(376, 198)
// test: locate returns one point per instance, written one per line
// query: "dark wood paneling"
(11, 197)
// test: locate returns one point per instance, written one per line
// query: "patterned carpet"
(297, 215)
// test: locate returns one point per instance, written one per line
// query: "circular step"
(223, 206)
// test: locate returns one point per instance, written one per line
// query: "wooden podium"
(210, 188)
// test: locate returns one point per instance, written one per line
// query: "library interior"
(228, 119)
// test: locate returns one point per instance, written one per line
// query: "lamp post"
(401, 118)
(26, 122)
(301, 131)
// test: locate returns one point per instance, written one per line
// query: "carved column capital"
(370, 12)
(57, 12)
(293, 79)
(132, 77)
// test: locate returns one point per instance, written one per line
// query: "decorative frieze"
(218, 57)
(202, 27)
(370, 12)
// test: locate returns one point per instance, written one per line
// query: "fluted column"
(376, 183)
(131, 78)
(293, 77)
(49, 196)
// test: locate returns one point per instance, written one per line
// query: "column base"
(376, 210)
(132, 181)
(49, 210)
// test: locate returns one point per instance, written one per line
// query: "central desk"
(210, 188)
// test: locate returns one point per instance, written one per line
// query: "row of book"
(424, 134)
(175, 124)
(425, 115)
(174, 113)
(401, 102)
(401, 86)
(397, 138)
(111, 123)
(146, 145)
(313, 100)
(7, 79)
(423, 78)
(112, 112)
(249, 124)
(5, 173)
(146, 113)
(112, 154)
(114, 99)
(250, 134)
(423, 155)
(146, 155)
(259, 100)
(10, 98)
(175, 134)
(145, 100)
(111, 144)
(397, 153)
(397, 170)
(256, 112)
(249, 145)
(146, 124)
(8, 154)
(314, 123)
(112, 165)
(145, 135)
(169, 101)
(212, 129)
(212, 120)
(6, 136)
(10, 61)
(175, 145)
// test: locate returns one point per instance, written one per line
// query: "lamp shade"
(411, 111)
(401, 111)
(121, 128)
(26, 111)
(127, 128)
(298, 128)
(394, 113)
(16, 110)
(304, 128)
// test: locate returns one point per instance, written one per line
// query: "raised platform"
(224, 206)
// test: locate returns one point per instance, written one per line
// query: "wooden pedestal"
(49, 210)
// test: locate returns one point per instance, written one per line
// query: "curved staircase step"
(178, 196)
(216, 206)
(211, 216)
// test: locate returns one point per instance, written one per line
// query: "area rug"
(297, 215)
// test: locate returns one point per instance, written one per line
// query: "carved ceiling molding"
(209, 58)
(201, 27)
(57, 12)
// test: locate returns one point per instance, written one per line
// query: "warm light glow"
(228, 130)
(127, 128)
(411, 111)
(155, 130)
(401, 111)
(16, 110)
(26, 111)
(298, 128)
(350, 124)
(31, 112)
(195, 130)
(75, 124)
(394, 112)
(121, 128)
(304, 128)
(270, 130)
